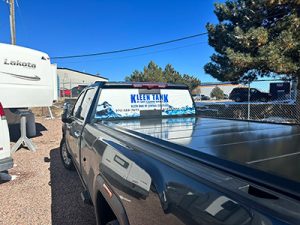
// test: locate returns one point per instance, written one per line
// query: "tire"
(65, 156)
(114, 222)
(238, 99)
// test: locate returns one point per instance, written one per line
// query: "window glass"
(121, 103)
(77, 104)
(87, 101)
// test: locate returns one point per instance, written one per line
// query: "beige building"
(205, 89)
(69, 78)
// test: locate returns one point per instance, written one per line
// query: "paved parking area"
(41, 190)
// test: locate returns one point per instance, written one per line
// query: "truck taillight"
(1, 110)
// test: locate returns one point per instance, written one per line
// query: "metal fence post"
(70, 88)
(297, 101)
(63, 92)
(248, 117)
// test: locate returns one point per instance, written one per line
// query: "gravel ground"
(41, 190)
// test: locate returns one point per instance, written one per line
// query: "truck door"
(79, 114)
(72, 130)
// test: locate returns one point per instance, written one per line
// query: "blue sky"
(78, 27)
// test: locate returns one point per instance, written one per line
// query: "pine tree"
(154, 73)
(171, 75)
(255, 38)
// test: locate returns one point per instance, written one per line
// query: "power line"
(146, 46)
(132, 56)
(130, 49)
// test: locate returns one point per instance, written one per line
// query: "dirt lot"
(41, 190)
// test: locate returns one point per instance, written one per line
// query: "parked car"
(241, 95)
(77, 90)
(65, 92)
(6, 161)
(200, 98)
(145, 157)
(204, 97)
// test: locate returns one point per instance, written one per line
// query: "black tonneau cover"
(273, 148)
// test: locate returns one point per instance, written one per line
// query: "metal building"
(206, 88)
(69, 78)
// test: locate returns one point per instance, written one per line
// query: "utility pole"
(12, 21)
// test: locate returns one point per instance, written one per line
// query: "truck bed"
(273, 148)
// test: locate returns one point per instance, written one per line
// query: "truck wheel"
(238, 99)
(114, 222)
(65, 156)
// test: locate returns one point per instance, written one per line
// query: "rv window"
(77, 105)
(86, 103)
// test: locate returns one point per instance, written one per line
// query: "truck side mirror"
(65, 117)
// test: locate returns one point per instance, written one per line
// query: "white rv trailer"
(27, 78)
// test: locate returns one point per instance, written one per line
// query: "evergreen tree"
(217, 93)
(171, 75)
(154, 73)
(191, 81)
(255, 38)
(136, 75)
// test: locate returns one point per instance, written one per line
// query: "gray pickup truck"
(146, 158)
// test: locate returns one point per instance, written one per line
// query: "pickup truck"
(145, 157)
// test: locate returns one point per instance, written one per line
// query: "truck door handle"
(76, 134)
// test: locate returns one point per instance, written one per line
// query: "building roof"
(88, 74)
(219, 84)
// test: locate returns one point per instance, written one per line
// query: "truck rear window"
(134, 102)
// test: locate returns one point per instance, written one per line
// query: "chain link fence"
(262, 100)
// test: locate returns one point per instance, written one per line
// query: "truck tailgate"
(273, 148)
